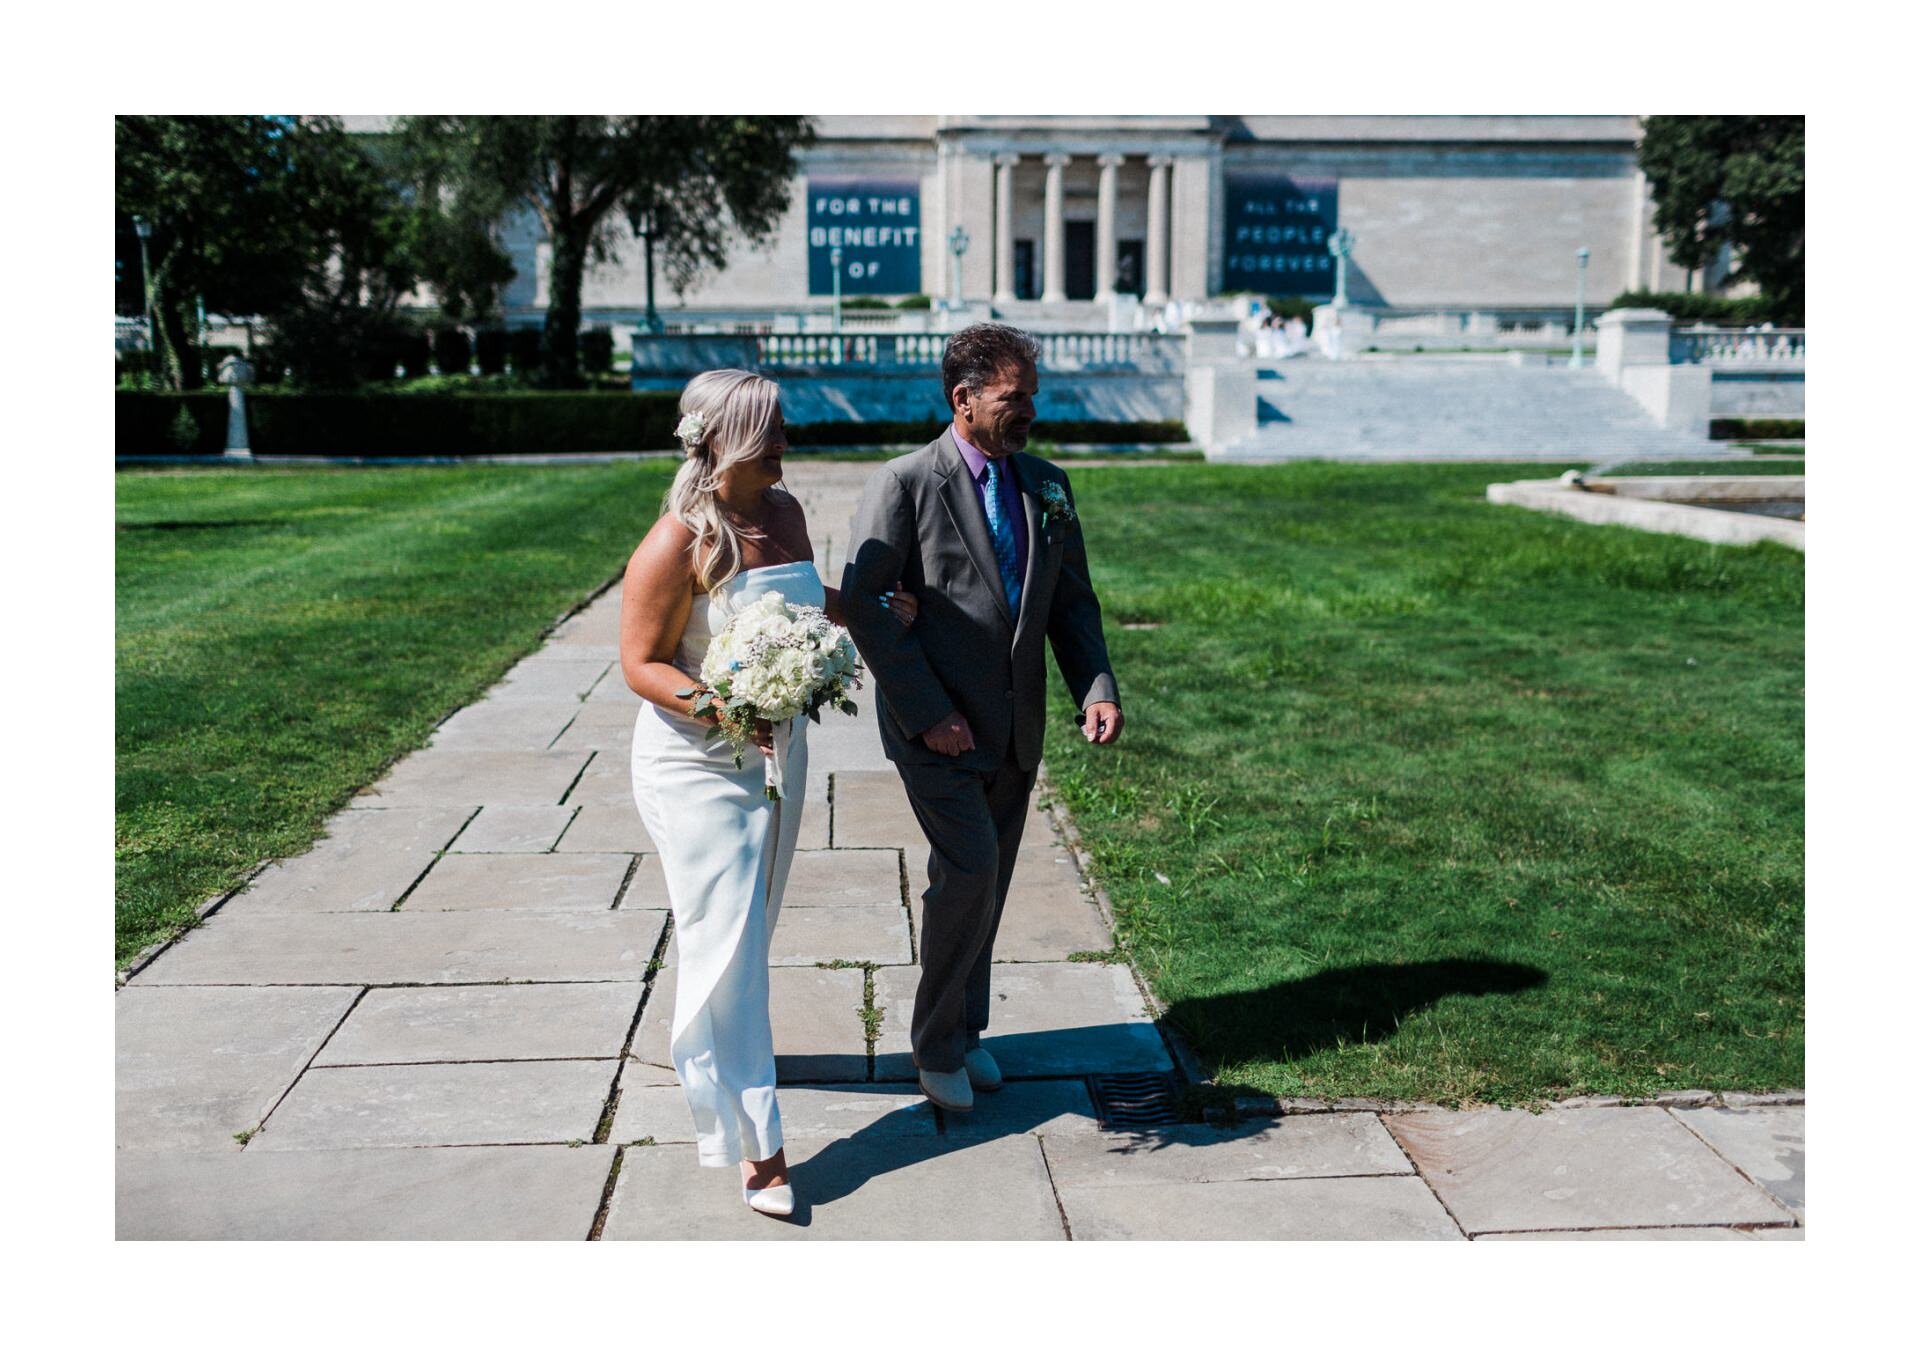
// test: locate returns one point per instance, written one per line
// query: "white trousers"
(726, 850)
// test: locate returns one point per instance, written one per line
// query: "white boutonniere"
(1054, 504)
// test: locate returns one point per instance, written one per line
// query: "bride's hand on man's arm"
(904, 606)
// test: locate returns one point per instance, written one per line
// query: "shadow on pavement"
(1022, 1106)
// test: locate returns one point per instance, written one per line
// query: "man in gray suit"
(988, 539)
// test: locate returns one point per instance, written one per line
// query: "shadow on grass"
(200, 525)
(1346, 1005)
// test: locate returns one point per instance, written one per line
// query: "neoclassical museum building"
(1062, 222)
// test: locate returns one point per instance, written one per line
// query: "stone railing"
(1717, 347)
(665, 355)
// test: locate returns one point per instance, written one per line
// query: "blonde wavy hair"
(726, 417)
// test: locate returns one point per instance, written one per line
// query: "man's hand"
(952, 736)
(1101, 723)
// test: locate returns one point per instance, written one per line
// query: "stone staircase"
(1404, 407)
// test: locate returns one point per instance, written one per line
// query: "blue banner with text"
(1278, 227)
(875, 224)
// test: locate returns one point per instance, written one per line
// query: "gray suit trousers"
(973, 821)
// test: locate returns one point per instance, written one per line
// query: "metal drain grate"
(1133, 1101)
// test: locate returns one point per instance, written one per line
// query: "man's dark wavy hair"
(975, 355)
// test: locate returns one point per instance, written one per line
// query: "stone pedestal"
(236, 372)
(1633, 353)
(1632, 338)
(1212, 341)
(1222, 407)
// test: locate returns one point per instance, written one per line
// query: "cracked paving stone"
(366, 862)
(1500, 1171)
(194, 1067)
(513, 880)
(514, 828)
(660, 1112)
(860, 1186)
(517, 1192)
(457, 947)
(1296, 1146)
(449, 1023)
(1306, 1208)
(1768, 1144)
(414, 1105)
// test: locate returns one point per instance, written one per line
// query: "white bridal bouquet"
(774, 661)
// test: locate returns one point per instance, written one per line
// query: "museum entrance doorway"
(1079, 261)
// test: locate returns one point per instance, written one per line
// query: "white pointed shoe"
(951, 1091)
(773, 1200)
(983, 1071)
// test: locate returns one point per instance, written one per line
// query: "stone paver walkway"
(449, 1020)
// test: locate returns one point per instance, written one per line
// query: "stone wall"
(1759, 394)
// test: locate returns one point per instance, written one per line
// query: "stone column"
(1105, 251)
(1157, 166)
(1054, 261)
(1003, 227)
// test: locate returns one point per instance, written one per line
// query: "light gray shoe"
(983, 1071)
(773, 1200)
(949, 1091)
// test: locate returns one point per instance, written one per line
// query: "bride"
(728, 534)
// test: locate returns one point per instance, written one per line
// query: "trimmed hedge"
(1705, 308)
(880, 432)
(461, 425)
(146, 423)
(1761, 429)
(464, 425)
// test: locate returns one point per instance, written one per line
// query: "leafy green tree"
(708, 178)
(288, 219)
(713, 179)
(1739, 182)
(218, 194)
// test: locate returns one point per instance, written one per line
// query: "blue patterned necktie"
(1005, 549)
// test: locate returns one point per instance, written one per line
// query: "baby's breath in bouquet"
(774, 661)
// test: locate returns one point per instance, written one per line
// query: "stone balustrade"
(1146, 354)
(1735, 347)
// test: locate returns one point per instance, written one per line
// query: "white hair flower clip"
(692, 426)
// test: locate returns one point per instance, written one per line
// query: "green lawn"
(1450, 800)
(1425, 797)
(283, 635)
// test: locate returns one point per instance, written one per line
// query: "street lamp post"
(834, 259)
(654, 325)
(144, 229)
(1579, 307)
(957, 241)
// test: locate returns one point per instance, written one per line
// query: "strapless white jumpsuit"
(726, 850)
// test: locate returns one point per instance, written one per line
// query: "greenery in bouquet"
(774, 661)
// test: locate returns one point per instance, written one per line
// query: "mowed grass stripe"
(1450, 800)
(284, 635)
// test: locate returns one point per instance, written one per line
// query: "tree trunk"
(173, 333)
(563, 308)
(173, 338)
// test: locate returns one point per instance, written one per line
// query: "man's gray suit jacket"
(920, 522)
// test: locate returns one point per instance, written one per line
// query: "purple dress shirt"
(1009, 495)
